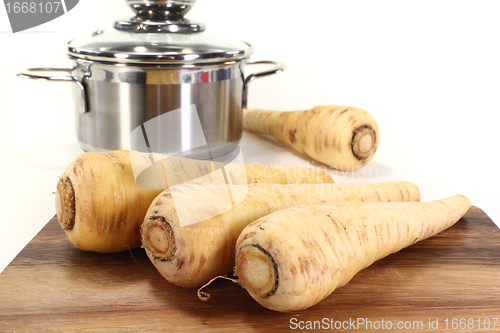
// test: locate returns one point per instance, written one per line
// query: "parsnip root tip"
(363, 142)
(158, 238)
(257, 271)
(65, 203)
(203, 296)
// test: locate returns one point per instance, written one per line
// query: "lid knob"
(160, 16)
(161, 9)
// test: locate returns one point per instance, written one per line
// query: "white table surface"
(428, 71)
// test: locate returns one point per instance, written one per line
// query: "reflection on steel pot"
(158, 70)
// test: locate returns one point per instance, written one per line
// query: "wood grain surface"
(53, 287)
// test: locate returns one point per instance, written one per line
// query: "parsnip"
(344, 138)
(101, 198)
(294, 258)
(190, 230)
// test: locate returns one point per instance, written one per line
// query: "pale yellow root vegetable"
(102, 198)
(190, 230)
(344, 138)
(294, 258)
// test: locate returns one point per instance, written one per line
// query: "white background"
(428, 71)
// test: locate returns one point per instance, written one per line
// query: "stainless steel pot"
(158, 83)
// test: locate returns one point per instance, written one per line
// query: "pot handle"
(277, 68)
(30, 74)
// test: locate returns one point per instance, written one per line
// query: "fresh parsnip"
(344, 138)
(294, 258)
(102, 197)
(190, 230)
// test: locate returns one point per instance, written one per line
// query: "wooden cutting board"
(450, 282)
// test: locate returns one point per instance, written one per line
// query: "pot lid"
(158, 33)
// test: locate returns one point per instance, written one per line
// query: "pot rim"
(158, 59)
(160, 65)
